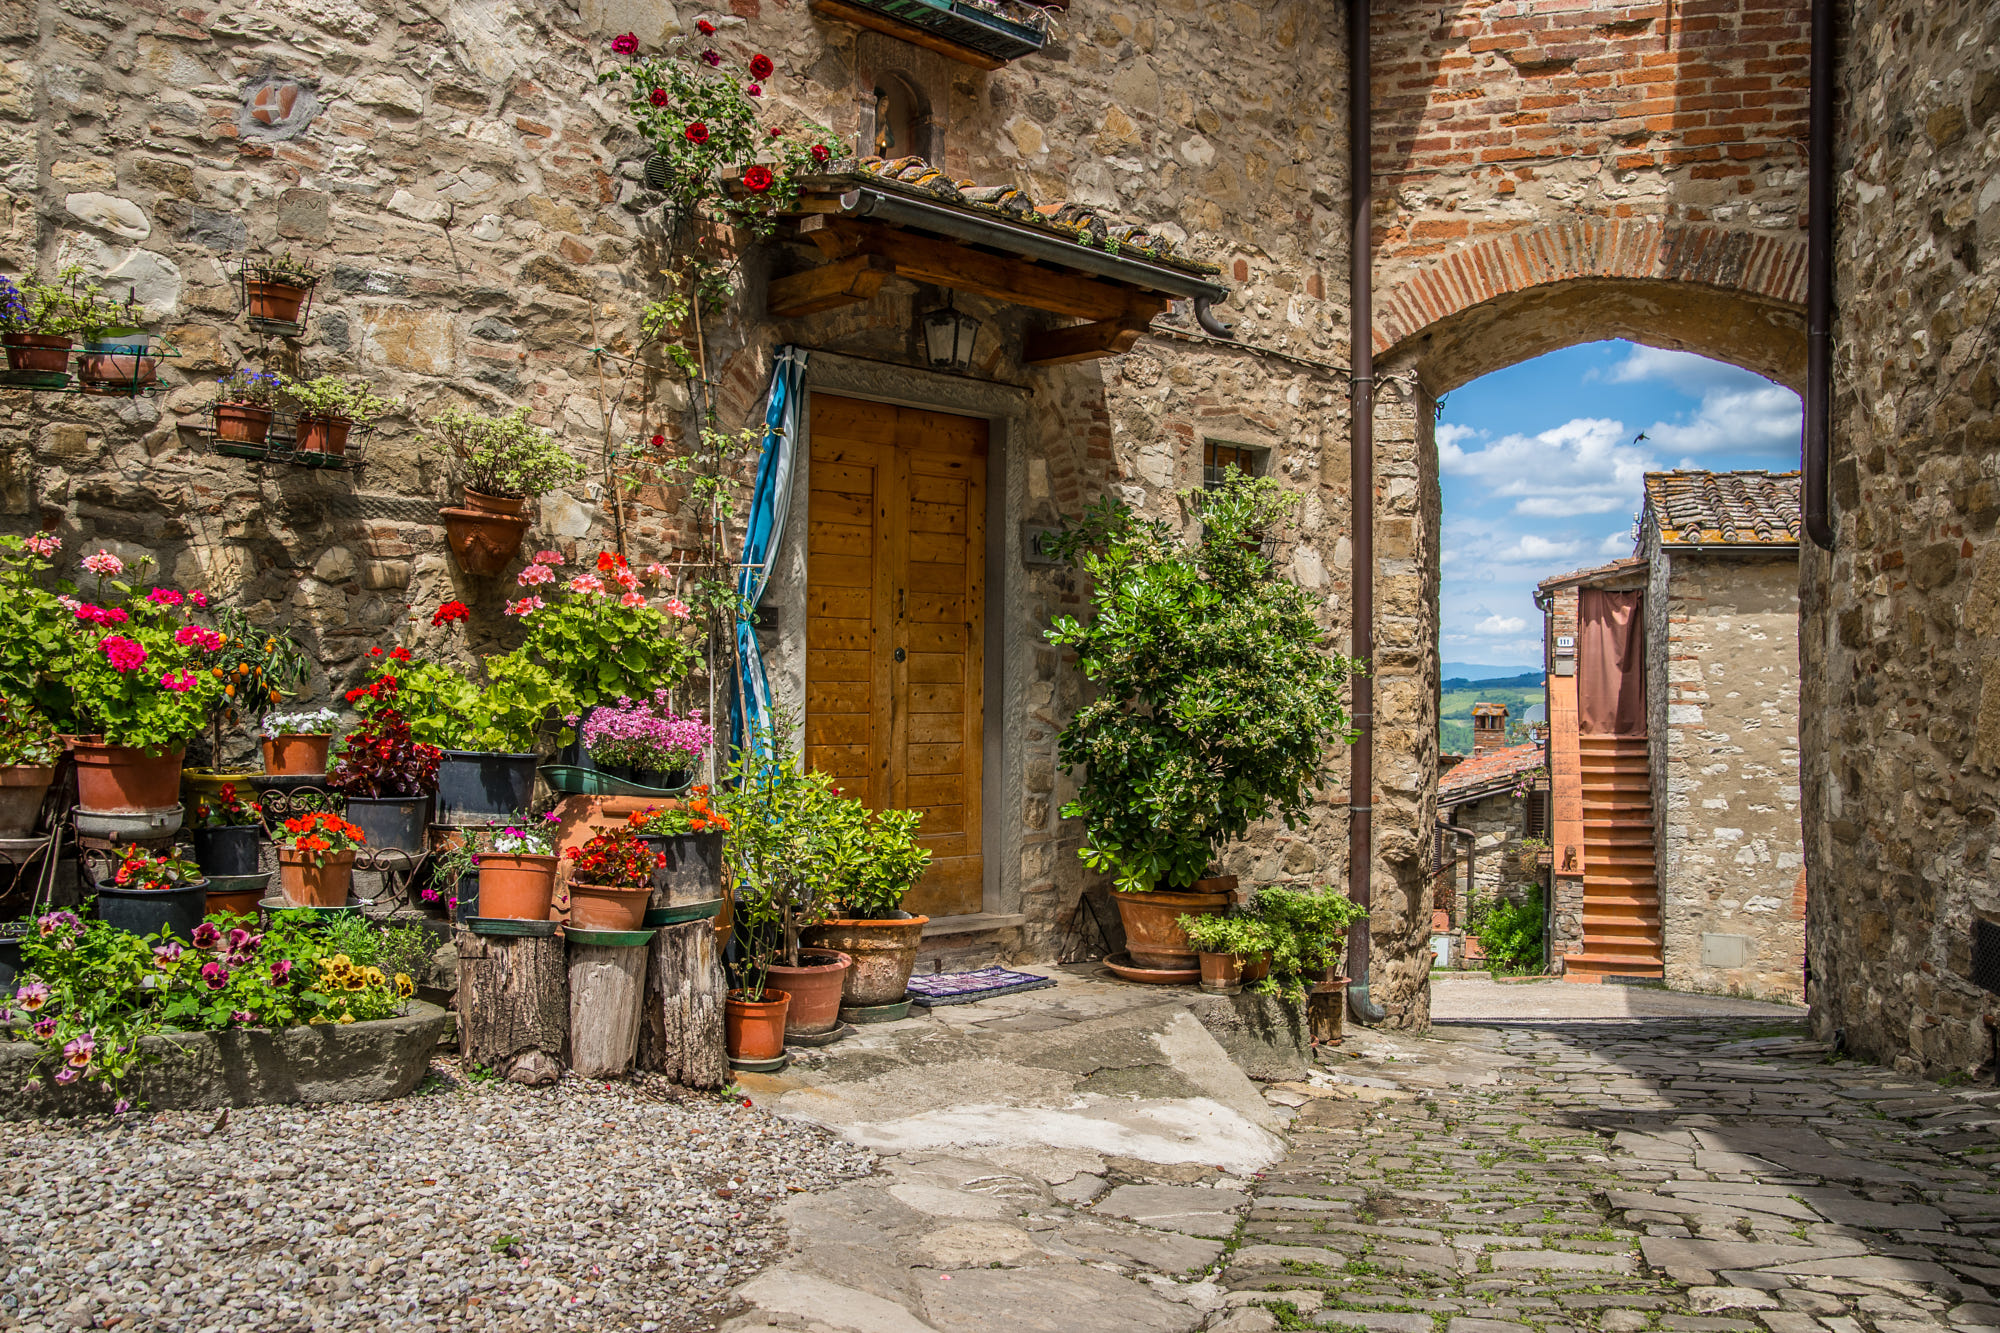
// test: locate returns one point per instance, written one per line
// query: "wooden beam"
(1002, 277)
(830, 287)
(1084, 342)
(907, 32)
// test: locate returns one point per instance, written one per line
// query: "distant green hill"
(1519, 693)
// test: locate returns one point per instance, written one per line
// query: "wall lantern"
(948, 337)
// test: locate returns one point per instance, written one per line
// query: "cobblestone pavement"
(1711, 1176)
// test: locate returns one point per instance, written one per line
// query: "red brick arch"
(1730, 293)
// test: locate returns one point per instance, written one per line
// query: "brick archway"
(1730, 294)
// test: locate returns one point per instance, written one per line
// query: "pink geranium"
(633, 599)
(206, 639)
(677, 608)
(199, 598)
(179, 683)
(164, 597)
(586, 583)
(626, 579)
(535, 575)
(44, 543)
(526, 606)
(104, 564)
(124, 654)
(548, 557)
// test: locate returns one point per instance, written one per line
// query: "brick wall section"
(1901, 704)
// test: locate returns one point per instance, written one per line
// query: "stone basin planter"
(328, 1062)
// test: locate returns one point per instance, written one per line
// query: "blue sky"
(1542, 471)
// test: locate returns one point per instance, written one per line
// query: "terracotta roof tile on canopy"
(1724, 508)
(1490, 769)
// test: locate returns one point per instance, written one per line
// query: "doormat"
(966, 987)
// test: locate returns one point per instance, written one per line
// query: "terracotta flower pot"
(601, 907)
(117, 779)
(512, 506)
(884, 954)
(296, 754)
(1222, 973)
(1153, 936)
(242, 422)
(815, 986)
(483, 544)
(1256, 968)
(324, 435)
(22, 787)
(112, 366)
(275, 300)
(518, 887)
(307, 885)
(42, 352)
(235, 902)
(755, 1030)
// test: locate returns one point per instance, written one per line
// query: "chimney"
(1489, 728)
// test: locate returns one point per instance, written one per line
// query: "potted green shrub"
(1217, 699)
(386, 777)
(503, 463)
(1307, 930)
(149, 892)
(37, 319)
(296, 742)
(1227, 946)
(277, 285)
(331, 406)
(28, 753)
(243, 406)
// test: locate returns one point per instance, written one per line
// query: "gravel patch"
(482, 1206)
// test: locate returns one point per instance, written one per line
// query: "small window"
(896, 121)
(1535, 823)
(1219, 458)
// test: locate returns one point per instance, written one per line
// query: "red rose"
(757, 179)
(658, 97)
(761, 66)
(696, 132)
(625, 44)
(821, 153)
(754, 90)
(659, 441)
(705, 28)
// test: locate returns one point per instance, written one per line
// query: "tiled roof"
(1625, 566)
(1489, 710)
(1724, 508)
(1075, 222)
(1483, 770)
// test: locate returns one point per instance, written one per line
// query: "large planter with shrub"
(816, 986)
(884, 953)
(22, 787)
(755, 1029)
(1153, 935)
(117, 779)
(480, 786)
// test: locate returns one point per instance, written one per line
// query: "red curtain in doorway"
(1611, 664)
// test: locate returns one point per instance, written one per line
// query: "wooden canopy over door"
(896, 608)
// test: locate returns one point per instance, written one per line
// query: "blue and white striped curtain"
(769, 501)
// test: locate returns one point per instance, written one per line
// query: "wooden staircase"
(1621, 892)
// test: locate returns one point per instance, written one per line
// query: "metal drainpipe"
(1818, 426)
(1361, 481)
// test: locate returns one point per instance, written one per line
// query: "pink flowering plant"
(646, 736)
(605, 632)
(89, 994)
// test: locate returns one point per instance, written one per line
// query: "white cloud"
(1760, 420)
(1583, 466)
(1689, 372)
(1500, 625)
(1532, 547)
(1453, 434)
(1616, 544)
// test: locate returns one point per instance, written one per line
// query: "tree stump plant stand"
(681, 1034)
(513, 1002)
(607, 991)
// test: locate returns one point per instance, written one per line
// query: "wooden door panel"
(896, 562)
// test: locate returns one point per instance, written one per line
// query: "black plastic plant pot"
(10, 962)
(692, 870)
(482, 787)
(232, 849)
(146, 911)
(391, 823)
(659, 779)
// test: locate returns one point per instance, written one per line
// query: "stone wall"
(1724, 726)
(1498, 820)
(1900, 710)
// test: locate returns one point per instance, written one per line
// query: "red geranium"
(696, 132)
(761, 66)
(704, 27)
(757, 179)
(449, 612)
(399, 654)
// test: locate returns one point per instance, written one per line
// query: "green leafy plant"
(258, 668)
(1234, 932)
(1307, 929)
(599, 636)
(26, 737)
(875, 860)
(338, 397)
(139, 688)
(782, 848)
(502, 456)
(445, 709)
(1510, 932)
(1217, 696)
(286, 268)
(696, 814)
(70, 304)
(250, 388)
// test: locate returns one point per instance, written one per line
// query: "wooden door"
(896, 609)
